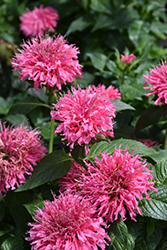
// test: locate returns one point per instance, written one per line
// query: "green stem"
(51, 136)
(165, 140)
(122, 79)
(51, 100)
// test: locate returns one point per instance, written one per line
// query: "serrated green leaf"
(108, 147)
(122, 105)
(51, 167)
(98, 60)
(156, 206)
(161, 172)
(121, 238)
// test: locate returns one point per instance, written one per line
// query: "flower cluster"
(36, 22)
(67, 223)
(158, 80)
(84, 114)
(20, 150)
(48, 62)
(113, 184)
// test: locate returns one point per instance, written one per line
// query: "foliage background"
(102, 29)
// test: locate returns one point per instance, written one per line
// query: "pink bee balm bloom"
(48, 62)
(110, 92)
(158, 80)
(67, 223)
(20, 149)
(127, 59)
(83, 115)
(36, 22)
(115, 182)
(69, 181)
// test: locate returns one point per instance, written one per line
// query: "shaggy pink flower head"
(69, 180)
(114, 183)
(20, 149)
(158, 81)
(110, 92)
(67, 223)
(83, 115)
(127, 58)
(48, 62)
(36, 22)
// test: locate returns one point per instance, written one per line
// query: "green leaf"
(113, 67)
(17, 119)
(78, 25)
(101, 6)
(159, 28)
(150, 116)
(161, 171)
(156, 206)
(18, 212)
(98, 60)
(25, 106)
(108, 147)
(147, 243)
(12, 243)
(122, 105)
(51, 167)
(5, 228)
(121, 238)
(34, 205)
(132, 89)
(3, 106)
(158, 156)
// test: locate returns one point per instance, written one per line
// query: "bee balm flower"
(36, 22)
(20, 149)
(48, 62)
(158, 81)
(114, 184)
(83, 114)
(67, 223)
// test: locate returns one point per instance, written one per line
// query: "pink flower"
(127, 59)
(114, 183)
(112, 93)
(36, 22)
(20, 149)
(158, 80)
(67, 223)
(48, 62)
(69, 181)
(83, 115)
(148, 142)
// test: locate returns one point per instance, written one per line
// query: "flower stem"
(122, 78)
(51, 100)
(51, 136)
